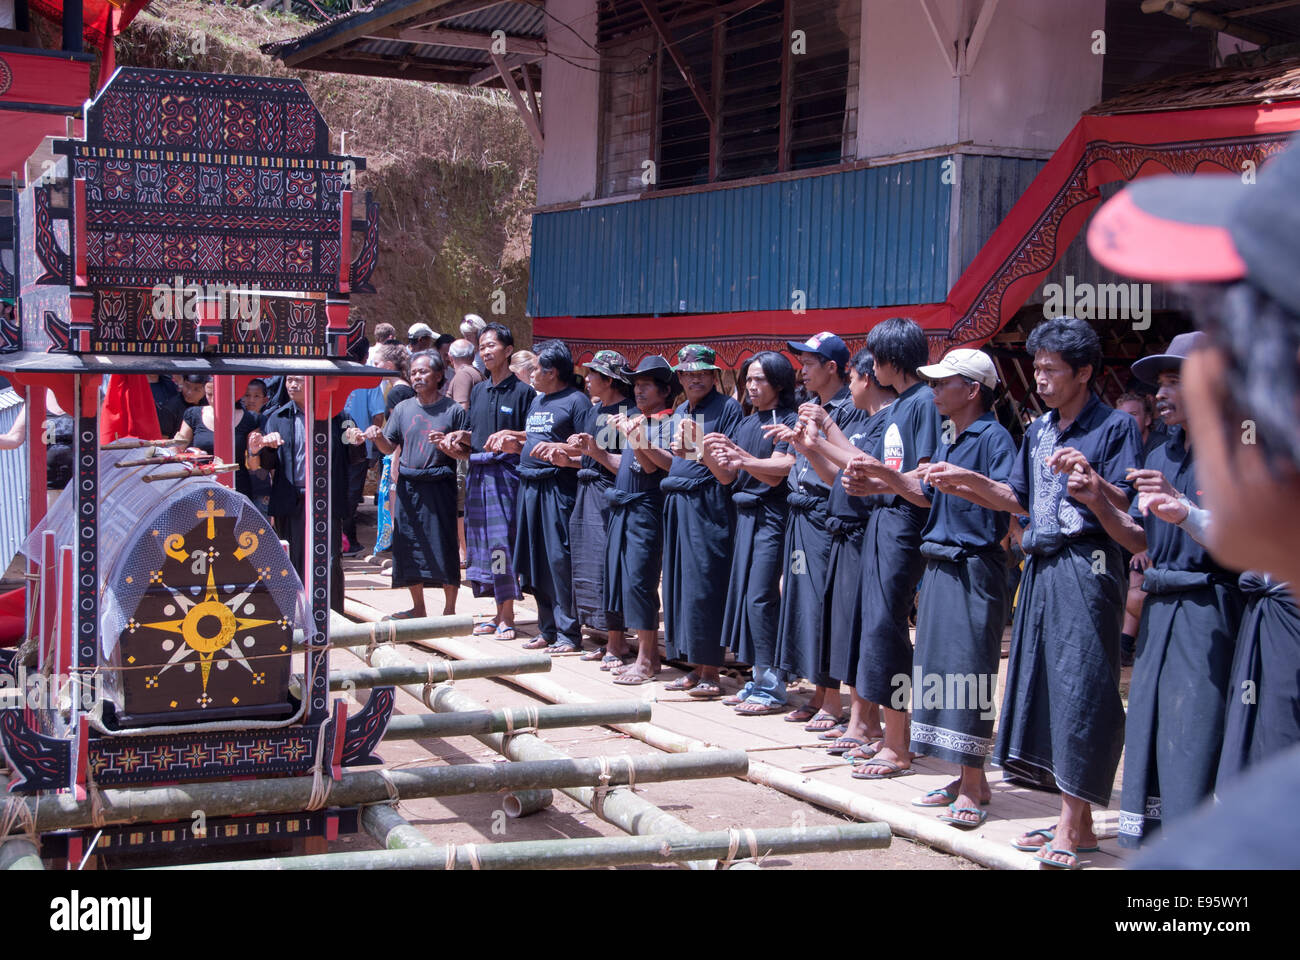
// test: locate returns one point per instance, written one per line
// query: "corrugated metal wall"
(863, 238)
(990, 187)
(13, 482)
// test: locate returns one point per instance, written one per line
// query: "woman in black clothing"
(196, 430)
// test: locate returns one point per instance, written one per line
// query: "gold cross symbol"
(210, 514)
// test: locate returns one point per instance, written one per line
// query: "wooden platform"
(1012, 811)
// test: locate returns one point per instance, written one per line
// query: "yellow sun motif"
(208, 628)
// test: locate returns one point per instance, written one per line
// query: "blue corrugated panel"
(864, 238)
(13, 483)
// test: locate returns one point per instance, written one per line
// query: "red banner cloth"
(13, 610)
(129, 410)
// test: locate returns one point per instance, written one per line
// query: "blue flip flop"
(949, 798)
(1049, 834)
(965, 824)
(1072, 864)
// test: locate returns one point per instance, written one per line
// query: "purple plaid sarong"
(490, 495)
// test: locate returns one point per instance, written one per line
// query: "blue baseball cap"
(826, 345)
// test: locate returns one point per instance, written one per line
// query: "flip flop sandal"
(537, 643)
(688, 682)
(802, 715)
(705, 690)
(965, 824)
(563, 646)
(485, 629)
(590, 655)
(942, 797)
(505, 633)
(865, 753)
(632, 679)
(1048, 834)
(843, 745)
(823, 721)
(752, 708)
(733, 701)
(1074, 863)
(835, 732)
(894, 770)
(404, 615)
(609, 660)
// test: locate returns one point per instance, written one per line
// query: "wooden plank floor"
(1013, 809)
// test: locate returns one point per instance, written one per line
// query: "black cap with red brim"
(1208, 228)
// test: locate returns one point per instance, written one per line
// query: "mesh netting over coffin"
(142, 525)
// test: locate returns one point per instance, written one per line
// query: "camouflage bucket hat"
(693, 357)
(611, 363)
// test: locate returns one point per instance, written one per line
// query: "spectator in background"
(365, 408)
(458, 387)
(443, 344)
(522, 365)
(471, 328)
(191, 394)
(254, 399)
(198, 427)
(419, 337)
(162, 388)
(385, 333)
(1139, 407)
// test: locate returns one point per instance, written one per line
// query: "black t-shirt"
(715, 414)
(596, 423)
(864, 435)
(396, 394)
(204, 439)
(749, 437)
(409, 425)
(803, 478)
(172, 414)
(632, 477)
(498, 406)
(987, 448)
(552, 418)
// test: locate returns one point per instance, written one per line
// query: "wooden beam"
(684, 68)
(372, 66)
(488, 74)
(532, 96)
(949, 52)
(977, 35)
(463, 39)
(530, 121)
(1201, 18)
(1262, 8)
(387, 15)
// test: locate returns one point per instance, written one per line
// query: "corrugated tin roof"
(10, 398)
(401, 49)
(516, 19)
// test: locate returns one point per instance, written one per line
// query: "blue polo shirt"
(716, 414)
(1111, 442)
(1168, 546)
(987, 448)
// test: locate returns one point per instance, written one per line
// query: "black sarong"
(800, 641)
(1176, 698)
(426, 549)
(541, 552)
(842, 608)
(891, 568)
(753, 609)
(699, 524)
(959, 619)
(1263, 716)
(1062, 720)
(588, 532)
(633, 555)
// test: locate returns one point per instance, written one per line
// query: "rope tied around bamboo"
(603, 788)
(533, 722)
(16, 811)
(375, 642)
(321, 782)
(426, 692)
(733, 846)
(471, 854)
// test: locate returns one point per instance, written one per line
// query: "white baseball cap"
(962, 362)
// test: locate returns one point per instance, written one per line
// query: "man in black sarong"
(1062, 720)
(699, 525)
(1236, 245)
(1190, 617)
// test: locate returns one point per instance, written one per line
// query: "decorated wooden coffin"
(202, 213)
(199, 602)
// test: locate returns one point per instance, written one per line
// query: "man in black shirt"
(191, 394)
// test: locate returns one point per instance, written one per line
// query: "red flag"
(129, 410)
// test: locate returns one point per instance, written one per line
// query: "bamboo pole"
(385, 825)
(421, 725)
(291, 794)
(624, 809)
(903, 822)
(583, 852)
(16, 851)
(522, 803)
(437, 671)
(344, 633)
